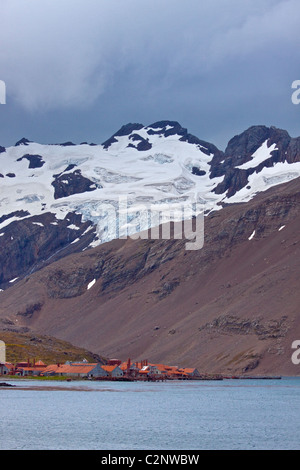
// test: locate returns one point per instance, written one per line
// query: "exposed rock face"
(125, 130)
(240, 150)
(31, 243)
(143, 144)
(230, 324)
(22, 141)
(242, 146)
(67, 144)
(67, 184)
(13, 215)
(35, 161)
(30, 310)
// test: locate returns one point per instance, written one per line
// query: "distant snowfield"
(278, 174)
(161, 175)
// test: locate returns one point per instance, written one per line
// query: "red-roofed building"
(32, 369)
(76, 370)
(7, 369)
(191, 372)
(113, 370)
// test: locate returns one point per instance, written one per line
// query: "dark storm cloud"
(213, 65)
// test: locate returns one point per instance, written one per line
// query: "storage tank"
(2, 353)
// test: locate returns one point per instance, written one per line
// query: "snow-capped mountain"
(57, 199)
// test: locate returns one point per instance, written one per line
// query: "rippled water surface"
(230, 414)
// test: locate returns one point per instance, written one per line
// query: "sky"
(77, 70)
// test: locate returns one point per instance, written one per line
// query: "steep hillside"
(60, 199)
(231, 307)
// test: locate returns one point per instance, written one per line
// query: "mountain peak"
(127, 129)
(166, 128)
(22, 141)
(246, 143)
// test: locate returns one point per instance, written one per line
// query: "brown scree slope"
(231, 308)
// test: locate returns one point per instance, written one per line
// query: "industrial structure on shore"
(114, 369)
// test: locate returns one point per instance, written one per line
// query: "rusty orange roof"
(52, 368)
(80, 369)
(109, 368)
(70, 369)
(40, 363)
(82, 364)
(9, 365)
(163, 367)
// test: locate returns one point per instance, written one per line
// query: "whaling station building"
(113, 370)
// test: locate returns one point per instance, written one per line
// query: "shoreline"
(216, 377)
(81, 385)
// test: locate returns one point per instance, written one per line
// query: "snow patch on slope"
(262, 154)
(269, 177)
(90, 285)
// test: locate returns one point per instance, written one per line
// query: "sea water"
(175, 415)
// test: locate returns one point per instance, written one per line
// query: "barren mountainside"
(56, 200)
(231, 307)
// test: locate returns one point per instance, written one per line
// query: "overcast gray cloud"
(200, 62)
